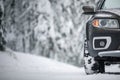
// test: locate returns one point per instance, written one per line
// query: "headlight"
(105, 23)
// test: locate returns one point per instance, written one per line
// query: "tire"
(92, 66)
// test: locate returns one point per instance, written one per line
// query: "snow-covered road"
(19, 66)
(55, 76)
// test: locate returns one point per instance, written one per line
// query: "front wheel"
(90, 64)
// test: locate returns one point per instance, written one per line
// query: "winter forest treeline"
(50, 28)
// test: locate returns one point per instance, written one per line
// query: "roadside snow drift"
(19, 66)
(26, 62)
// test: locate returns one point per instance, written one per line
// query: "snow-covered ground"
(19, 66)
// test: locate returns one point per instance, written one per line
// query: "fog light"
(102, 43)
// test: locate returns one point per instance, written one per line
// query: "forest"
(51, 28)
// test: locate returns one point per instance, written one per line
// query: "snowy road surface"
(19, 66)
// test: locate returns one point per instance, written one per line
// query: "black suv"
(102, 43)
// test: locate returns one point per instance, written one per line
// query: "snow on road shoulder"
(25, 62)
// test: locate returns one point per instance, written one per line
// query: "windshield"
(111, 4)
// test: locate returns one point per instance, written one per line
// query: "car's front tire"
(92, 66)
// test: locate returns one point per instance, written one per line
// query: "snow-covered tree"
(20, 20)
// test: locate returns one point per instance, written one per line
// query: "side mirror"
(88, 10)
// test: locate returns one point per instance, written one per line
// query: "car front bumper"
(101, 40)
(115, 53)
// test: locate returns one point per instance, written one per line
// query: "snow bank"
(26, 62)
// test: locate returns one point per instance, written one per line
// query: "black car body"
(102, 41)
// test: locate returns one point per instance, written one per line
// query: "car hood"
(114, 11)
